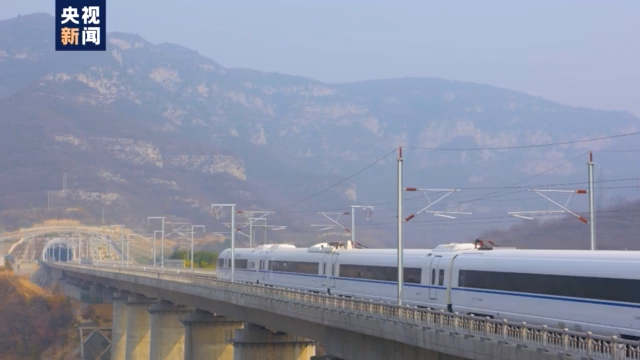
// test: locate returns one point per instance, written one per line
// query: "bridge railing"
(150, 268)
(578, 344)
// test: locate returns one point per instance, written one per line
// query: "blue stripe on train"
(550, 297)
(492, 292)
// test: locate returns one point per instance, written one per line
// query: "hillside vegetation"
(159, 130)
(201, 259)
(32, 319)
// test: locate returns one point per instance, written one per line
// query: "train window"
(221, 262)
(241, 263)
(624, 290)
(433, 276)
(412, 275)
(384, 273)
(295, 267)
(441, 277)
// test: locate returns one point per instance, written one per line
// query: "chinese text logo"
(81, 25)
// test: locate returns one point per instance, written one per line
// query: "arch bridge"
(85, 242)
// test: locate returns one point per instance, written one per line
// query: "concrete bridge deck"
(358, 329)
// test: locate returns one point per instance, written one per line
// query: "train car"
(244, 270)
(364, 273)
(345, 271)
(249, 262)
(596, 291)
(582, 290)
(374, 275)
(300, 269)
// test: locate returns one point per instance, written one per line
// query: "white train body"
(596, 291)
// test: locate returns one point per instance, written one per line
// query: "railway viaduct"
(182, 315)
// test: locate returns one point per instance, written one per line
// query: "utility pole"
(266, 227)
(122, 247)
(128, 242)
(592, 210)
(217, 208)
(108, 241)
(154, 247)
(336, 221)
(523, 214)
(121, 244)
(181, 229)
(51, 200)
(251, 219)
(400, 223)
(368, 209)
(193, 227)
(79, 255)
(95, 248)
(444, 214)
(161, 241)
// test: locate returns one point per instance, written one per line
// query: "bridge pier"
(206, 336)
(256, 342)
(119, 329)
(167, 333)
(96, 292)
(138, 328)
(107, 295)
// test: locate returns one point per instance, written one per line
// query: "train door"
(326, 266)
(334, 269)
(264, 265)
(433, 277)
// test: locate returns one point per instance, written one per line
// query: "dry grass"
(58, 222)
(103, 314)
(20, 285)
(33, 319)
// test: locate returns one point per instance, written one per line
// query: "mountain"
(148, 129)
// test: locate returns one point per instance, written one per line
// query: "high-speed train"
(597, 291)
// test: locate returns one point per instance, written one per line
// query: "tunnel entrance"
(58, 250)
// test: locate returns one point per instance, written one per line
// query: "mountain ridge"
(171, 130)
(39, 16)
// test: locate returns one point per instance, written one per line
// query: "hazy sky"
(578, 52)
